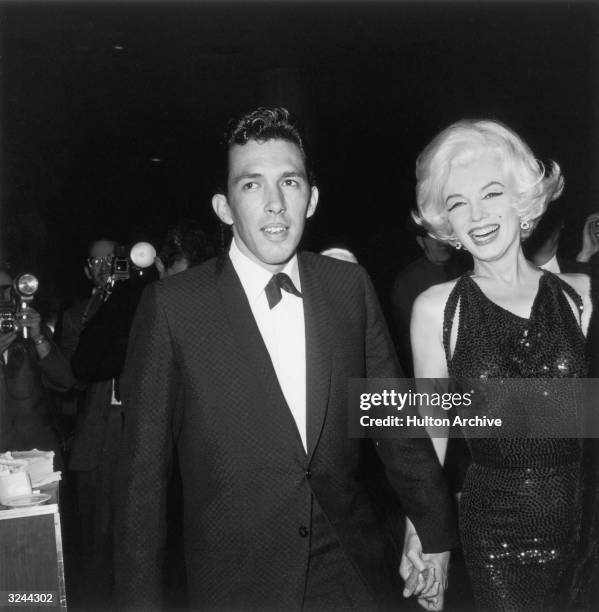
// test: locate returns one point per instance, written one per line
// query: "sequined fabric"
(521, 500)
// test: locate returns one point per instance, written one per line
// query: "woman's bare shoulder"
(581, 283)
(436, 296)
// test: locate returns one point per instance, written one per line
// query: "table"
(31, 560)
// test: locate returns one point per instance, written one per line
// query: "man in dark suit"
(240, 366)
(543, 245)
(92, 453)
(438, 263)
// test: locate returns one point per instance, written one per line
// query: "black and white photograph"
(220, 223)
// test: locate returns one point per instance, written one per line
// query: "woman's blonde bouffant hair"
(536, 186)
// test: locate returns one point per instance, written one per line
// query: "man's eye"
(290, 183)
(492, 194)
(249, 185)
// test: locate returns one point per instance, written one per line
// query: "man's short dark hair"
(185, 241)
(263, 124)
(553, 220)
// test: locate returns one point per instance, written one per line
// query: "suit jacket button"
(308, 474)
(303, 531)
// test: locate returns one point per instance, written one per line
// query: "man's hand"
(6, 340)
(590, 238)
(425, 574)
(30, 318)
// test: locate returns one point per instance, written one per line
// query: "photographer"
(30, 367)
(94, 336)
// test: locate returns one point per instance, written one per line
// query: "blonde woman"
(480, 188)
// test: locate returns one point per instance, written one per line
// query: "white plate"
(27, 500)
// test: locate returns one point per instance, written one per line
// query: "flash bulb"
(26, 285)
(143, 254)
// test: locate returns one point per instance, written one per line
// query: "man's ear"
(159, 266)
(313, 203)
(222, 209)
(87, 272)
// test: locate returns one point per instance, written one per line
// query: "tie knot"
(275, 284)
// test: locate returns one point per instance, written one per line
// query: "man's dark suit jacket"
(97, 353)
(199, 378)
(92, 419)
(570, 266)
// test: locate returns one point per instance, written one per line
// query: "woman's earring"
(524, 225)
(458, 245)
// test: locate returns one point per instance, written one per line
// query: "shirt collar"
(552, 265)
(254, 277)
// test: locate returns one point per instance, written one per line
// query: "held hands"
(425, 574)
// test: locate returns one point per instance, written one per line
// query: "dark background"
(111, 113)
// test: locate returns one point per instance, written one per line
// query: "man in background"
(184, 246)
(438, 263)
(93, 447)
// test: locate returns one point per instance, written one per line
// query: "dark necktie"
(273, 288)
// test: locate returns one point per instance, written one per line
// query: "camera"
(14, 298)
(127, 264)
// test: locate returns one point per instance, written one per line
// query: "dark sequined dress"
(521, 500)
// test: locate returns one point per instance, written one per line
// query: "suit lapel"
(318, 352)
(251, 346)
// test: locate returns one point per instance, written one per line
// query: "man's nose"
(275, 202)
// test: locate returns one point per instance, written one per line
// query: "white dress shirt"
(282, 329)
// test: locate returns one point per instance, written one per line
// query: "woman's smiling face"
(479, 196)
